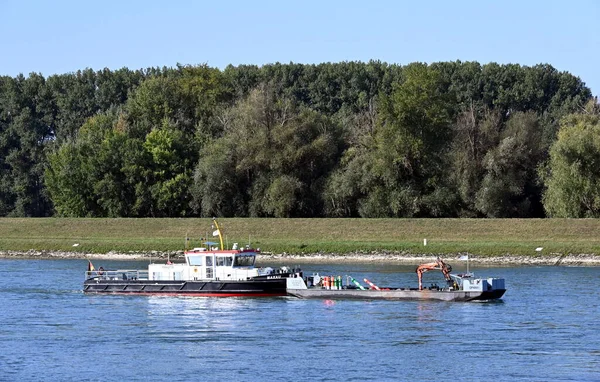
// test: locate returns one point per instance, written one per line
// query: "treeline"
(449, 139)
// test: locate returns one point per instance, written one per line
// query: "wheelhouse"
(202, 264)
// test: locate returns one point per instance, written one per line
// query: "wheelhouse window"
(209, 261)
(195, 260)
(244, 261)
(224, 261)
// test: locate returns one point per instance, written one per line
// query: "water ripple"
(541, 331)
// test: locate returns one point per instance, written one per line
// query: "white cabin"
(202, 264)
(482, 285)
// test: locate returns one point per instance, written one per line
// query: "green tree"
(26, 129)
(510, 187)
(273, 155)
(475, 134)
(409, 149)
(170, 171)
(77, 168)
(396, 163)
(572, 177)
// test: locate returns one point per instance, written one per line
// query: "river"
(545, 328)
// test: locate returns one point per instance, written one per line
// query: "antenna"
(467, 264)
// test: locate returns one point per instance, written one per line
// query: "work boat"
(210, 271)
(460, 287)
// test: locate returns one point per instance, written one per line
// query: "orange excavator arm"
(439, 265)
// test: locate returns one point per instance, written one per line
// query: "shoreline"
(552, 259)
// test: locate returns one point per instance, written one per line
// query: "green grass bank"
(485, 237)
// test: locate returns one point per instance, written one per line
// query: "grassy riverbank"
(488, 237)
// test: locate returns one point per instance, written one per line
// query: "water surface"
(546, 328)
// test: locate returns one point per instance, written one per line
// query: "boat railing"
(119, 274)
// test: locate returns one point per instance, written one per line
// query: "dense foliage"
(352, 139)
(573, 172)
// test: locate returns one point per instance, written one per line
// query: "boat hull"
(397, 294)
(211, 288)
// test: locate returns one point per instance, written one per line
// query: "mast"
(218, 232)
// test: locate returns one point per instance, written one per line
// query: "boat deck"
(396, 294)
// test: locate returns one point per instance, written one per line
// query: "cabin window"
(209, 261)
(226, 261)
(195, 260)
(209, 273)
(243, 261)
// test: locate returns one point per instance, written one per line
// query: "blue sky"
(64, 36)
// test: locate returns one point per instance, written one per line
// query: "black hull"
(213, 288)
(490, 295)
